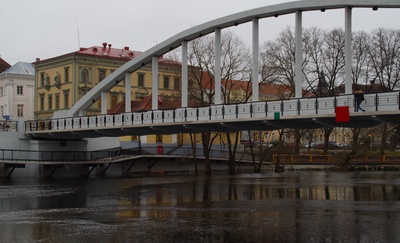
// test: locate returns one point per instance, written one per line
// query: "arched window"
(85, 75)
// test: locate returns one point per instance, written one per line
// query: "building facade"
(61, 81)
(17, 91)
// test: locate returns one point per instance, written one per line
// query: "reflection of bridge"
(293, 113)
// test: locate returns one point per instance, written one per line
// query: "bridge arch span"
(209, 27)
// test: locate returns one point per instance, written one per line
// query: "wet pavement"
(269, 207)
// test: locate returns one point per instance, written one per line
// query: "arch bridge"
(297, 112)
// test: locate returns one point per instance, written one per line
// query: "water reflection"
(288, 207)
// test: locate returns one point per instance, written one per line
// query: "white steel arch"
(183, 37)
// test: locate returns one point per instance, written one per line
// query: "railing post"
(298, 106)
(282, 108)
(377, 102)
(237, 111)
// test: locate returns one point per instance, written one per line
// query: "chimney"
(37, 59)
(104, 44)
(126, 48)
(109, 46)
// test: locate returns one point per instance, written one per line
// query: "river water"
(269, 207)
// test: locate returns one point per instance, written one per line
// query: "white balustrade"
(128, 119)
(216, 112)
(244, 110)
(204, 113)
(191, 114)
(259, 109)
(180, 115)
(69, 123)
(92, 121)
(147, 117)
(109, 120)
(118, 119)
(137, 118)
(229, 111)
(169, 116)
(157, 116)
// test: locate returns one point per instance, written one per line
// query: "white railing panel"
(92, 121)
(137, 118)
(244, 110)
(84, 122)
(101, 120)
(169, 116)
(308, 107)
(128, 119)
(109, 120)
(204, 113)
(54, 126)
(191, 114)
(147, 117)
(216, 112)
(157, 117)
(387, 101)
(259, 109)
(345, 100)
(273, 107)
(290, 107)
(118, 119)
(180, 115)
(326, 105)
(229, 111)
(69, 123)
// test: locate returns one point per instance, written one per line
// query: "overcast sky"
(48, 28)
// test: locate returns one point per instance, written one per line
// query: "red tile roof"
(3, 65)
(106, 51)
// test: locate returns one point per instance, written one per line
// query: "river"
(304, 206)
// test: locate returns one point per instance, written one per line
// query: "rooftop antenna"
(77, 28)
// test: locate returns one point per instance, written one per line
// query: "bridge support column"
(4, 170)
(154, 97)
(217, 96)
(347, 51)
(128, 91)
(298, 55)
(103, 102)
(184, 80)
(255, 48)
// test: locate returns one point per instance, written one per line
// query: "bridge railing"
(52, 156)
(387, 101)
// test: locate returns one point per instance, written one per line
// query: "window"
(41, 102)
(166, 82)
(84, 76)
(2, 111)
(50, 99)
(191, 83)
(1, 91)
(20, 90)
(141, 80)
(66, 74)
(177, 83)
(20, 110)
(41, 79)
(66, 100)
(102, 74)
(57, 101)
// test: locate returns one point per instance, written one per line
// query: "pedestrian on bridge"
(359, 97)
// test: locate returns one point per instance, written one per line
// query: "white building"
(17, 91)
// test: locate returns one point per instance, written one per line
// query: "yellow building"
(61, 81)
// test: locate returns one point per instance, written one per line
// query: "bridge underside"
(217, 126)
